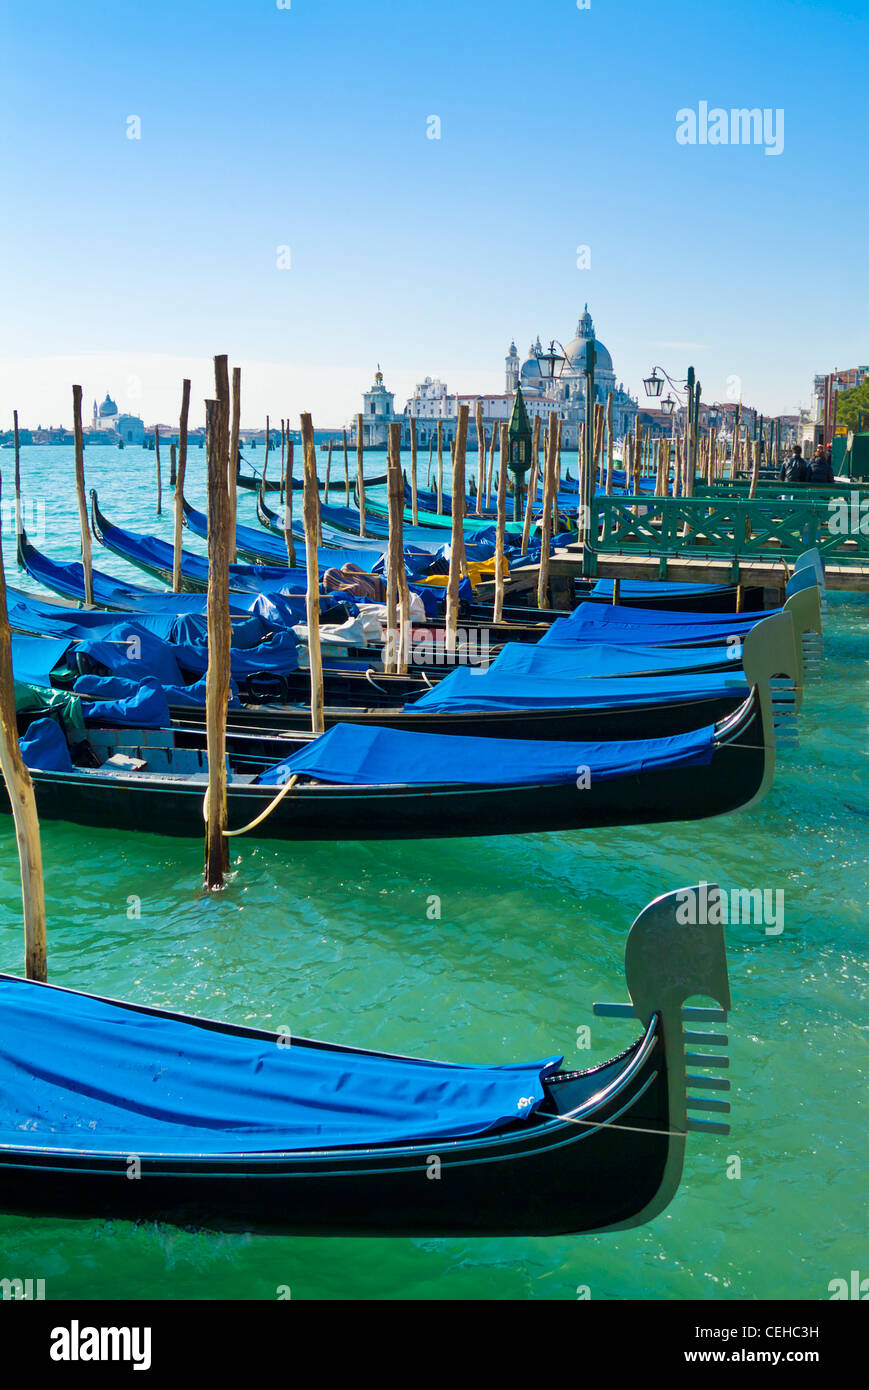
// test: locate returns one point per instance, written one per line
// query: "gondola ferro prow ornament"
(674, 953)
(805, 603)
(772, 662)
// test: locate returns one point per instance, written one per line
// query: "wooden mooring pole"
(440, 482)
(414, 499)
(87, 565)
(346, 469)
(546, 525)
(232, 470)
(397, 592)
(481, 458)
(219, 630)
(360, 472)
(289, 540)
(501, 525)
(19, 789)
(179, 485)
(311, 513)
(457, 534)
(157, 466)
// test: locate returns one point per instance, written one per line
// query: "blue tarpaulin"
(32, 615)
(465, 690)
(362, 756)
(638, 588)
(129, 651)
(605, 615)
(594, 660)
(34, 658)
(116, 703)
(44, 747)
(593, 622)
(92, 1076)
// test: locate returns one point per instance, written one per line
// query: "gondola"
(229, 1128)
(260, 549)
(156, 557)
(370, 783)
(664, 594)
(153, 557)
(534, 706)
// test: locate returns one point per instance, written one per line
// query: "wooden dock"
(566, 565)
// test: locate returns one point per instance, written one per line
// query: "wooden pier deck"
(566, 565)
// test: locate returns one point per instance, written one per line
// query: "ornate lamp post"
(690, 389)
(519, 439)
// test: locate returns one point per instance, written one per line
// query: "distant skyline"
(282, 200)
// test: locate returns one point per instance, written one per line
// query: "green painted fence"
(716, 528)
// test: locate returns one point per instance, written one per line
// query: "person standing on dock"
(793, 470)
(820, 469)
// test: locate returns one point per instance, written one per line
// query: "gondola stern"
(675, 952)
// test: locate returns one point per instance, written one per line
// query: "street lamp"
(551, 362)
(668, 406)
(654, 384)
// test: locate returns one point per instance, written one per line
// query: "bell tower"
(511, 362)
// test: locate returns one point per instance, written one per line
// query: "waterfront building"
(105, 416)
(109, 425)
(378, 413)
(565, 394)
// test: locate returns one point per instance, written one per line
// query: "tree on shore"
(850, 404)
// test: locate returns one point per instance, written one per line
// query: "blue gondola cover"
(44, 747)
(363, 756)
(92, 1076)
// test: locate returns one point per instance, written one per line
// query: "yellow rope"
(230, 834)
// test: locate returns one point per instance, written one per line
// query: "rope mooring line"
(258, 820)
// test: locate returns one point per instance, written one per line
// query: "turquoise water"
(334, 941)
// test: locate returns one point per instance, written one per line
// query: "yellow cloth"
(479, 572)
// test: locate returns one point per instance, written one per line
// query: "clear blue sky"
(307, 127)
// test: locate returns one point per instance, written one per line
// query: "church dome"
(575, 350)
(108, 407)
(530, 369)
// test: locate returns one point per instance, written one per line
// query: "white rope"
(629, 1129)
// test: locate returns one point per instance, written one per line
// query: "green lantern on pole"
(519, 440)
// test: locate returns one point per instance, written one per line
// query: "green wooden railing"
(717, 528)
(796, 492)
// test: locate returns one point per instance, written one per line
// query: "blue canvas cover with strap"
(597, 660)
(90, 1075)
(116, 703)
(638, 588)
(361, 756)
(465, 690)
(609, 615)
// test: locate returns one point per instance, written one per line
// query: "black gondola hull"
(539, 1177)
(172, 805)
(261, 728)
